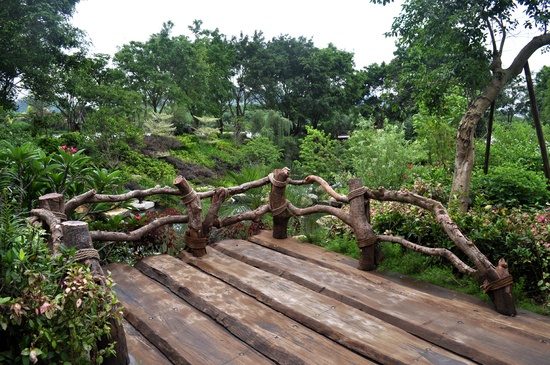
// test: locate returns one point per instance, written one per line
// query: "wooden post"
(278, 203)
(77, 235)
(498, 286)
(195, 237)
(364, 233)
(54, 203)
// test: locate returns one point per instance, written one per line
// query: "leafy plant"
(510, 185)
(318, 155)
(51, 308)
(381, 157)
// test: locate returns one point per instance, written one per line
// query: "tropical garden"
(222, 111)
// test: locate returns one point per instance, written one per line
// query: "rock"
(123, 212)
(144, 205)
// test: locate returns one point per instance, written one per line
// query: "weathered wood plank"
(466, 327)
(271, 333)
(183, 334)
(140, 349)
(352, 328)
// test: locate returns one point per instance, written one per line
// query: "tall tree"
(148, 67)
(459, 30)
(34, 36)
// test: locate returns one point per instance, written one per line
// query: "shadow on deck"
(268, 301)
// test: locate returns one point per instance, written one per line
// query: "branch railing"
(494, 279)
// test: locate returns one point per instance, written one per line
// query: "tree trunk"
(464, 158)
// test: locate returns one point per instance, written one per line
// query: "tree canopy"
(34, 37)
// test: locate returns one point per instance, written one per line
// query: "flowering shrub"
(51, 309)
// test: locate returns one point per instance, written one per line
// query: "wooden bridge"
(280, 301)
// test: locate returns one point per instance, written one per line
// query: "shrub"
(319, 156)
(51, 309)
(381, 157)
(510, 185)
(259, 151)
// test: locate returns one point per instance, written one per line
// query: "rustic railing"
(495, 280)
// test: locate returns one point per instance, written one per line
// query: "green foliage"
(271, 125)
(436, 130)
(516, 144)
(35, 36)
(136, 163)
(17, 132)
(51, 308)
(510, 185)
(318, 155)
(382, 157)
(252, 198)
(259, 151)
(68, 172)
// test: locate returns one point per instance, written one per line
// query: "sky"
(356, 26)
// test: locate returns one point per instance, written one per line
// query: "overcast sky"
(356, 26)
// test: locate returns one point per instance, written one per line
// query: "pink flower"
(72, 150)
(540, 218)
(63, 147)
(137, 216)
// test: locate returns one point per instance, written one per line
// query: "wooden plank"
(183, 334)
(271, 333)
(352, 328)
(465, 327)
(140, 349)
(531, 324)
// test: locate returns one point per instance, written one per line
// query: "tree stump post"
(77, 235)
(364, 233)
(498, 286)
(55, 203)
(278, 203)
(195, 237)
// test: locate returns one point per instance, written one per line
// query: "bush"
(381, 157)
(51, 309)
(319, 155)
(259, 151)
(510, 185)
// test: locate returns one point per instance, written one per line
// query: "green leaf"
(21, 254)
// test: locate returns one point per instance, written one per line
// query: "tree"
(248, 70)
(458, 31)
(206, 79)
(34, 36)
(148, 67)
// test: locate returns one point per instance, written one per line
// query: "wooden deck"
(268, 301)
